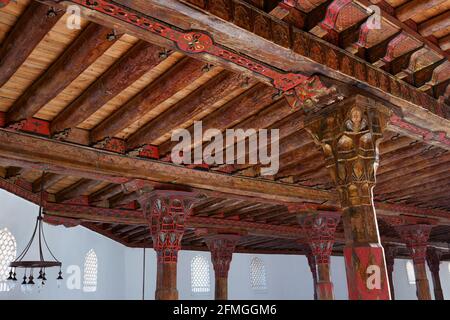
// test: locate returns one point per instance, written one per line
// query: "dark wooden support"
(141, 58)
(434, 261)
(49, 179)
(79, 188)
(320, 228)
(90, 44)
(34, 23)
(166, 212)
(416, 239)
(313, 267)
(222, 247)
(390, 254)
(349, 133)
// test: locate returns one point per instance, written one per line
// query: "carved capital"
(222, 247)
(349, 133)
(320, 228)
(166, 212)
(416, 240)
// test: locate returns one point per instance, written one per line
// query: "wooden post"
(222, 247)
(416, 239)
(166, 212)
(313, 267)
(320, 228)
(434, 261)
(349, 132)
(391, 252)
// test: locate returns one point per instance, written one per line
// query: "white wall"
(120, 268)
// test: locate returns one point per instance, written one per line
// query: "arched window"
(200, 275)
(258, 279)
(8, 251)
(410, 272)
(90, 272)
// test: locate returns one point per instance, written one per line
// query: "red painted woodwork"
(416, 240)
(58, 221)
(4, 3)
(320, 228)
(222, 247)
(423, 132)
(31, 125)
(366, 275)
(2, 119)
(112, 144)
(166, 213)
(195, 42)
(146, 151)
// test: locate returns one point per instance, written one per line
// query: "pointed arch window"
(8, 252)
(200, 275)
(410, 272)
(258, 278)
(90, 272)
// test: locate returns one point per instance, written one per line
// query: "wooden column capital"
(222, 247)
(166, 212)
(416, 239)
(349, 132)
(320, 228)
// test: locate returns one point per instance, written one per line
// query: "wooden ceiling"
(112, 89)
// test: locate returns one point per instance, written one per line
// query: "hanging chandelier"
(42, 264)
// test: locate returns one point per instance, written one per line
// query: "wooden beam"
(141, 58)
(89, 45)
(196, 102)
(45, 182)
(77, 189)
(62, 157)
(176, 78)
(415, 7)
(436, 24)
(31, 27)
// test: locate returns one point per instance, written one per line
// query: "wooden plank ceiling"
(109, 87)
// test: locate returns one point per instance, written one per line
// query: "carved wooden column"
(390, 252)
(320, 228)
(349, 132)
(166, 212)
(434, 261)
(416, 239)
(313, 267)
(222, 247)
